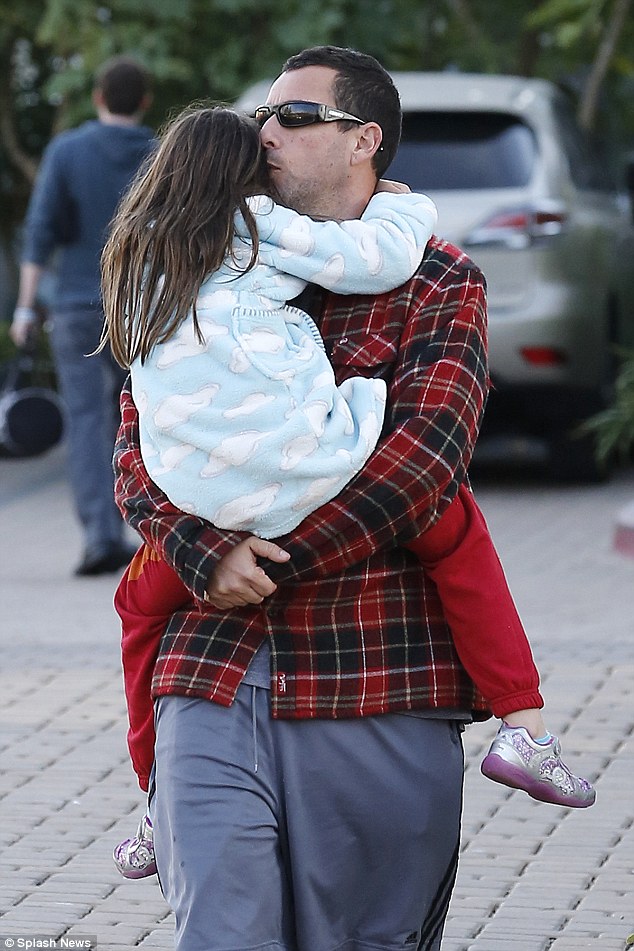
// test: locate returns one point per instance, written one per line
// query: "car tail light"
(518, 227)
(543, 356)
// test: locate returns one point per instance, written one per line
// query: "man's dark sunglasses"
(298, 112)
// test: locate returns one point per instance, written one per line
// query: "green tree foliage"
(25, 115)
(613, 428)
(212, 49)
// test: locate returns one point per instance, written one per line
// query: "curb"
(624, 532)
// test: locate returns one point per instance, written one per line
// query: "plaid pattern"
(355, 627)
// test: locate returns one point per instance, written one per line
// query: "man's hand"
(397, 188)
(238, 579)
(25, 326)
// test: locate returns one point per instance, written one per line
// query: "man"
(83, 174)
(310, 704)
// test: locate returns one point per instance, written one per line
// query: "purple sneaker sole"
(139, 873)
(134, 857)
(501, 771)
(515, 759)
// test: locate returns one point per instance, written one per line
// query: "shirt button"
(344, 340)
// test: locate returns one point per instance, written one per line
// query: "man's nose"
(268, 132)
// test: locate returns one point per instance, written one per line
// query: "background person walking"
(83, 175)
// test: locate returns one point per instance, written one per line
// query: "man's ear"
(369, 138)
(146, 102)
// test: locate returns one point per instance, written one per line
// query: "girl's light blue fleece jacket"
(248, 428)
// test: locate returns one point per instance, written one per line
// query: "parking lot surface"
(532, 877)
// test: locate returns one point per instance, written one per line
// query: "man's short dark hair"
(123, 84)
(362, 87)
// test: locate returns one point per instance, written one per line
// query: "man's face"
(309, 165)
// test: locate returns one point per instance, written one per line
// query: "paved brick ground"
(532, 877)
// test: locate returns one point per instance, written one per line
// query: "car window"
(455, 150)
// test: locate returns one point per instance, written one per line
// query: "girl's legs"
(460, 557)
(148, 594)
(458, 554)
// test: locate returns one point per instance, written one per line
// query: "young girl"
(242, 423)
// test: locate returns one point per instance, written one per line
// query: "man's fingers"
(256, 584)
(227, 604)
(238, 579)
(265, 549)
(235, 590)
(253, 594)
(19, 333)
(397, 188)
(262, 584)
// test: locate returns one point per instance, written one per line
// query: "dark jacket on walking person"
(83, 175)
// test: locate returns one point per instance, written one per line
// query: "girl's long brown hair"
(175, 226)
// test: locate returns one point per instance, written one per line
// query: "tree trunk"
(528, 52)
(14, 152)
(529, 46)
(472, 30)
(590, 98)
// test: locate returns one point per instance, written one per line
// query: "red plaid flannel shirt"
(355, 627)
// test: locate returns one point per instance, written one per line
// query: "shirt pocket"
(362, 350)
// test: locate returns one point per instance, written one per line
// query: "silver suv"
(519, 187)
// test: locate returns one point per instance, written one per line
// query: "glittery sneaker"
(516, 760)
(135, 857)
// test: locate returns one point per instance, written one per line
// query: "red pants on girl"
(458, 555)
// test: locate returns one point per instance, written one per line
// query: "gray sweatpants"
(305, 835)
